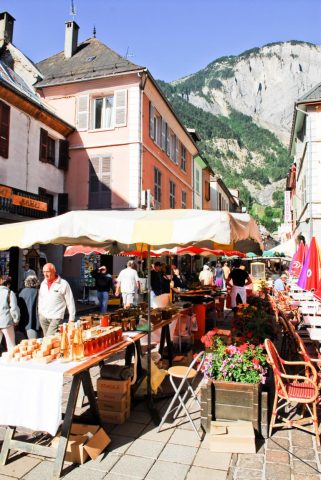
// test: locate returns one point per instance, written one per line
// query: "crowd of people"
(40, 307)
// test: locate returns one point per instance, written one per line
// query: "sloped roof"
(312, 95)
(92, 59)
(7, 75)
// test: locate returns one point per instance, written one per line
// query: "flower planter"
(234, 401)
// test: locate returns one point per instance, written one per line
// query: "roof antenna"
(128, 53)
(94, 32)
(73, 11)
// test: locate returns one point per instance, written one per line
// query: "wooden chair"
(293, 390)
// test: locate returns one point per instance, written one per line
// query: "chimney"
(71, 38)
(6, 28)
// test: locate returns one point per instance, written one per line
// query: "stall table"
(80, 374)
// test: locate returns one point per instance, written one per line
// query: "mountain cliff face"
(242, 106)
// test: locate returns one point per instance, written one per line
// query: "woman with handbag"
(9, 313)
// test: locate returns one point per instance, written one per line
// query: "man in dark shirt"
(156, 280)
(240, 279)
(104, 283)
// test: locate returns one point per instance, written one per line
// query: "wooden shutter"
(63, 154)
(43, 148)
(168, 142)
(99, 183)
(120, 108)
(4, 129)
(151, 121)
(177, 149)
(62, 206)
(82, 112)
(164, 128)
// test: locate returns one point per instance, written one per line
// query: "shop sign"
(5, 192)
(29, 203)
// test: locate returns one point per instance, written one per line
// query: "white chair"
(187, 376)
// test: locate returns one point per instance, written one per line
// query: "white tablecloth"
(31, 394)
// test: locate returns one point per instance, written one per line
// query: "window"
(157, 185)
(4, 129)
(184, 197)
(183, 158)
(103, 112)
(47, 148)
(172, 192)
(51, 150)
(107, 111)
(99, 182)
(197, 181)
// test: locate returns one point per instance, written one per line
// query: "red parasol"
(298, 260)
(310, 273)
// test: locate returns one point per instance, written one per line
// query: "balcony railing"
(19, 202)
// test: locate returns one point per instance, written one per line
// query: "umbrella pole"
(150, 403)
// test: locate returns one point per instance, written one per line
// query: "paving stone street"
(138, 451)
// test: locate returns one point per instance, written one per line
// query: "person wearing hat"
(206, 276)
(104, 283)
(280, 283)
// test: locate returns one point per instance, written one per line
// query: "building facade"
(304, 178)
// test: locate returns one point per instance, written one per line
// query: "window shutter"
(120, 108)
(168, 142)
(4, 129)
(62, 206)
(99, 183)
(177, 149)
(163, 144)
(43, 149)
(151, 121)
(82, 112)
(63, 154)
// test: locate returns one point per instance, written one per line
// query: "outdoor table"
(80, 374)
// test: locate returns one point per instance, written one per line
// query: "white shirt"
(28, 273)
(128, 279)
(52, 302)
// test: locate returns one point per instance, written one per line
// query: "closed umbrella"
(298, 260)
(310, 273)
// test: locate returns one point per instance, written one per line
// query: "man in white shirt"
(54, 296)
(128, 284)
(28, 271)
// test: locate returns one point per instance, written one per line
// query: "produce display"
(72, 343)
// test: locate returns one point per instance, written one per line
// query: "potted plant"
(253, 323)
(234, 374)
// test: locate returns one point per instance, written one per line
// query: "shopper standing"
(240, 279)
(27, 301)
(104, 283)
(128, 284)
(9, 313)
(55, 296)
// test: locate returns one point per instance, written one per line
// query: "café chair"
(293, 390)
(180, 377)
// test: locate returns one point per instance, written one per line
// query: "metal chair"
(293, 390)
(187, 376)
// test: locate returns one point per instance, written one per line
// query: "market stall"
(125, 230)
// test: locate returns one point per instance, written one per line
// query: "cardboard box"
(106, 395)
(232, 437)
(113, 386)
(108, 416)
(119, 405)
(84, 441)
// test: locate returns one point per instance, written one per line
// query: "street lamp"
(309, 167)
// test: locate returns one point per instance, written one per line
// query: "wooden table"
(80, 376)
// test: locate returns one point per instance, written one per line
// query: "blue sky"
(172, 38)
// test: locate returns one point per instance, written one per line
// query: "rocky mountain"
(242, 106)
